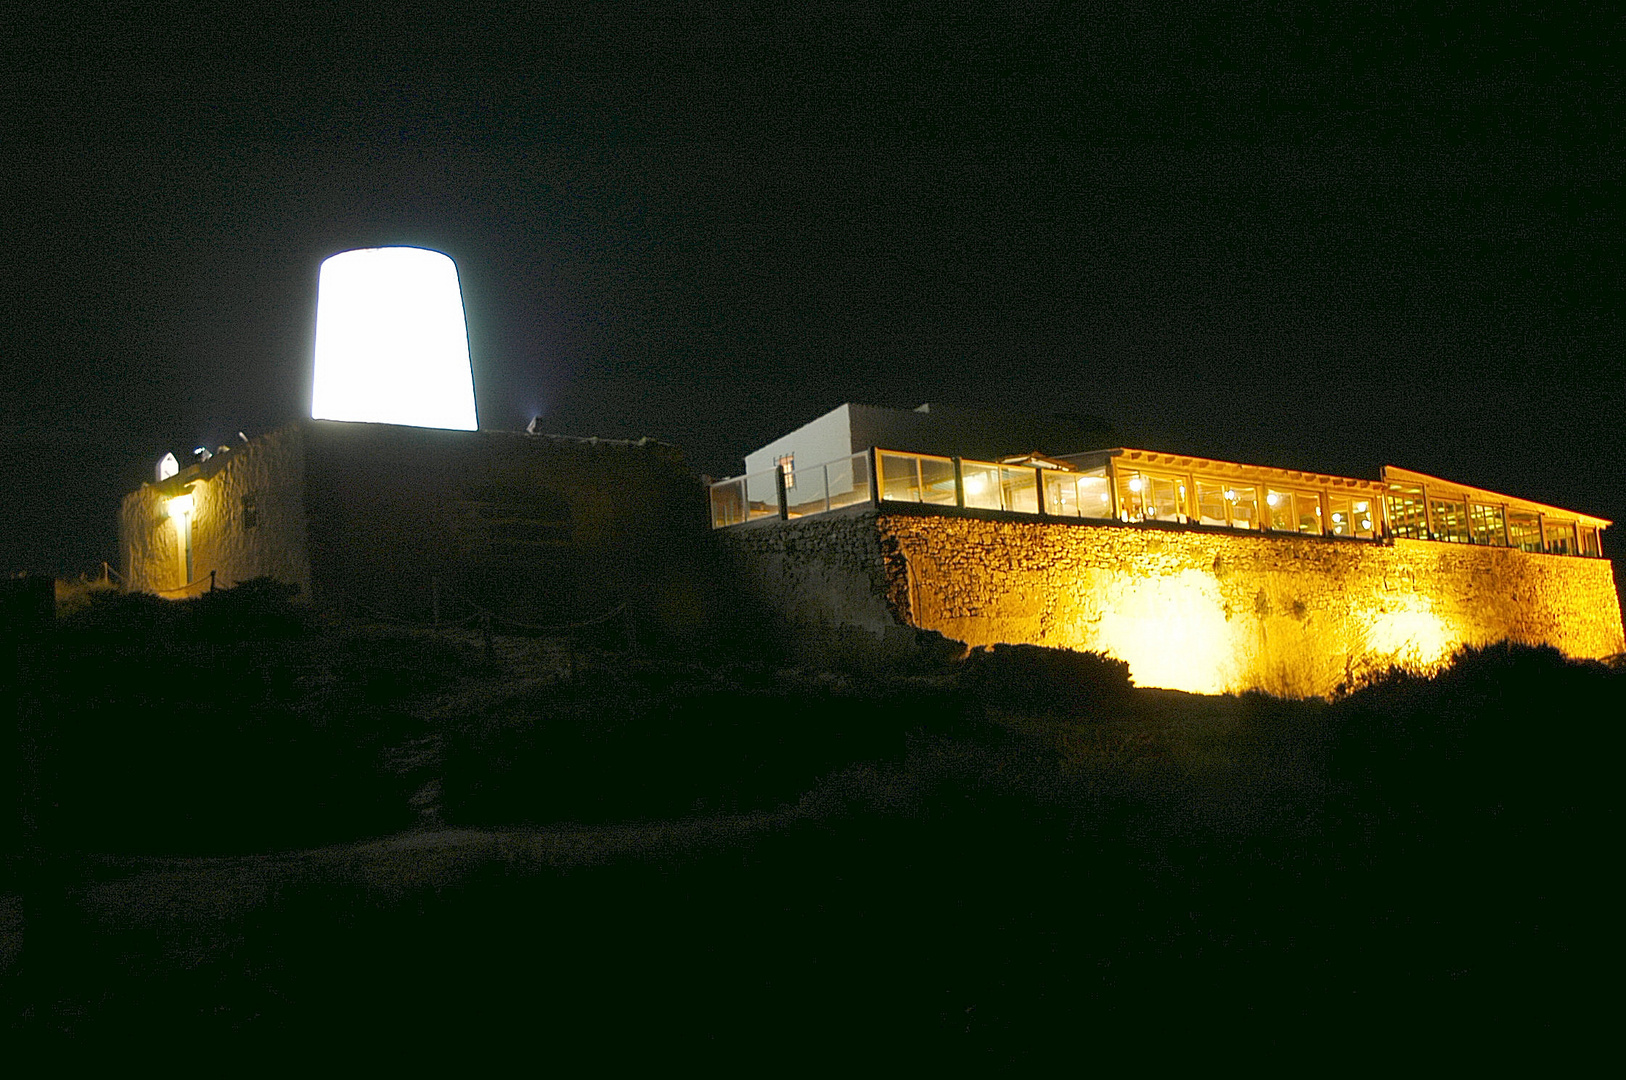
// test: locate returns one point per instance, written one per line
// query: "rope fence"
(483, 618)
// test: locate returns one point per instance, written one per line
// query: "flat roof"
(1153, 459)
(1411, 476)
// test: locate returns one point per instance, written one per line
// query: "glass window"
(1134, 496)
(981, 483)
(1340, 516)
(1244, 507)
(900, 478)
(1308, 507)
(1561, 538)
(1450, 520)
(806, 492)
(1366, 525)
(1019, 486)
(1589, 541)
(1407, 517)
(1524, 530)
(1094, 497)
(937, 481)
(848, 480)
(728, 503)
(1211, 503)
(1165, 505)
(1349, 516)
(1485, 525)
(1060, 493)
(1279, 505)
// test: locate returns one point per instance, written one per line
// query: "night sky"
(1274, 239)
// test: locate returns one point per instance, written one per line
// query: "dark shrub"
(600, 751)
(1046, 682)
(226, 723)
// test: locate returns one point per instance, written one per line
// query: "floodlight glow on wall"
(180, 511)
(391, 343)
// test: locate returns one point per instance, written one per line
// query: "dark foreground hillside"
(247, 822)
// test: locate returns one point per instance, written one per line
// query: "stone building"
(411, 522)
(1204, 575)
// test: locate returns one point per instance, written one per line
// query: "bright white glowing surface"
(180, 505)
(391, 343)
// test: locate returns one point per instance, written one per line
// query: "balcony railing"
(901, 477)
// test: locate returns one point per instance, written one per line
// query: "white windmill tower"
(392, 346)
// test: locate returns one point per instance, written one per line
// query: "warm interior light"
(1273, 498)
(391, 343)
(180, 506)
(974, 484)
(1135, 484)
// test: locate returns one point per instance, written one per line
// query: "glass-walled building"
(1138, 487)
(1178, 489)
(1423, 507)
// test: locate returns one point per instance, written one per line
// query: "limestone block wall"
(1211, 611)
(826, 576)
(237, 540)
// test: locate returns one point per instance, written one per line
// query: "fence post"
(211, 581)
(1038, 489)
(959, 484)
(779, 492)
(874, 477)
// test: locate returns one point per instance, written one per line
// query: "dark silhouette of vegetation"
(226, 723)
(616, 744)
(1046, 682)
(1015, 858)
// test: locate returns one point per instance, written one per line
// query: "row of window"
(1144, 496)
(1418, 514)
(1141, 495)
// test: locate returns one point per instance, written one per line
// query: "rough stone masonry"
(1203, 610)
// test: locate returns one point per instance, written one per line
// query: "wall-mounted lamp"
(180, 506)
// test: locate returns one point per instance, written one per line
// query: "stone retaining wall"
(1191, 609)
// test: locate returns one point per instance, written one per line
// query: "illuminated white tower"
(391, 343)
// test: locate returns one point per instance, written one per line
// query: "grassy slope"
(1130, 874)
